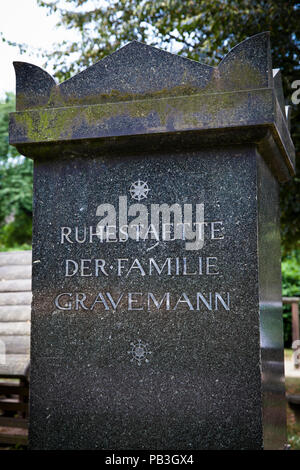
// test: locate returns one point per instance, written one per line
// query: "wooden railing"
(14, 395)
(15, 299)
(294, 302)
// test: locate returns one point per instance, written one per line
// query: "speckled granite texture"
(148, 344)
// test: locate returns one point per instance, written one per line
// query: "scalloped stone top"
(137, 71)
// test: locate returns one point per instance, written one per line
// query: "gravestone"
(156, 314)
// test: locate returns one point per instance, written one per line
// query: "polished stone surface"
(138, 71)
(157, 344)
(140, 90)
(201, 386)
(270, 303)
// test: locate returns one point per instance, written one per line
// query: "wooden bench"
(15, 309)
(14, 395)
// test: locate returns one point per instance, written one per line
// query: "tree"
(15, 187)
(197, 29)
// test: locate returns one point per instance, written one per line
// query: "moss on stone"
(165, 114)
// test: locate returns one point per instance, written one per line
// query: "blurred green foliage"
(290, 288)
(15, 188)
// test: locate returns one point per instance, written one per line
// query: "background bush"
(290, 288)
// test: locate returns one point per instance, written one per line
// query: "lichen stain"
(159, 115)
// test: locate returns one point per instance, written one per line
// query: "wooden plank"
(10, 376)
(13, 313)
(10, 383)
(18, 328)
(16, 285)
(290, 300)
(16, 344)
(9, 405)
(22, 271)
(15, 298)
(15, 257)
(13, 422)
(295, 321)
(15, 365)
(13, 439)
(14, 390)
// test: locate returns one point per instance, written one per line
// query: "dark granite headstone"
(156, 316)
